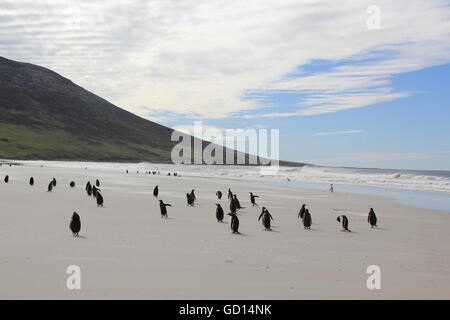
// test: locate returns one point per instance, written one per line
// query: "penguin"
(193, 195)
(95, 190)
(88, 184)
(97, 183)
(72, 184)
(31, 181)
(190, 200)
(6, 179)
(219, 213)
(307, 221)
(50, 187)
(238, 204)
(233, 206)
(234, 222)
(99, 199)
(301, 213)
(219, 194)
(372, 218)
(252, 199)
(127, 171)
(89, 189)
(266, 217)
(163, 208)
(155, 192)
(75, 224)
(54, 182)
(230, 194)
(344, 222)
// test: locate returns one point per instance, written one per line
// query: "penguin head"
(75, 216)
(338, 219)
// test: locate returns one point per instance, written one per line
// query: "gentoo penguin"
(95, 190)
(233, 206)
(89, 189)
(155, 192)
(193, 195)
(301, 213)
(234, 222)
(163, 208)
(372, 218)
(219, 213)
(6, 179)
(344, 222)
(266, 217)
(190, 200)
(75, 224)
(219, 194)
(236, 201)
(72, 184)
(230, 194)
(99, 198)
(97, 183)
(307, 221)
(252, 199)
(50, 187)
(54, 182)
(31, 181)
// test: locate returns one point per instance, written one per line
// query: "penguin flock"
(234, 206)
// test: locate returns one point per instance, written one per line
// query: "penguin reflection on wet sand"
(301, 213)
(307, 221)
(155, 192)
(252, 199)
(190, 200)
(234, 222)
(219, 213)
(219, 194)
(372, 218)
(99, 199)
(344, 221)
(75, 224)
(162, 207)
(266, 217)
(6, 179)
(31, 181)
(50, 187)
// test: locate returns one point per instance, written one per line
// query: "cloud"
(201, 58)
(337, 132)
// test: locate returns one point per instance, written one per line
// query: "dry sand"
(126, 251)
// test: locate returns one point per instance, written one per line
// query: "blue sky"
(340, 91)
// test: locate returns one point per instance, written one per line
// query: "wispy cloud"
(337, 132)
(194, 57)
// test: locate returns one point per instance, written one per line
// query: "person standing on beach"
(331, 188)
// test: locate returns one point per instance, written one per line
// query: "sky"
(347, 83)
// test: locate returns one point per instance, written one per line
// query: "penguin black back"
(301, 213)
(156, 191)
(97, 183)
(219, 213)
(54, 182)
(219, 194)
(31, 181)
(307, 220)
(99, 199)
(163, 207)
(6, 179)
(75, 224)
(50, 187)
(234, 222)
(72, 184)
(344, 221)
(372, 218)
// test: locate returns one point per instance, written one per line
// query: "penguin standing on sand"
(234, 222)
(54, 182)
(219, 213)
(233, 207)
(75, 224)
(31, 181)
(344, 221)
(89, 189)
(372, 218)
(99, 199)
(72, 184)
(236, 201)
(193, 195)
(162, 207)
(301, 213)
(95, 190)
(307, 221)
(252, 199)
(50, 187)
(219, 194)
(97, 183)
(266, 217)
(155, 192)
(230, 194)
(190, 200)
(6, 179)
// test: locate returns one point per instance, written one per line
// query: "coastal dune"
(127, 251)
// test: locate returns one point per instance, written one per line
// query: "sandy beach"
(126, 251)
